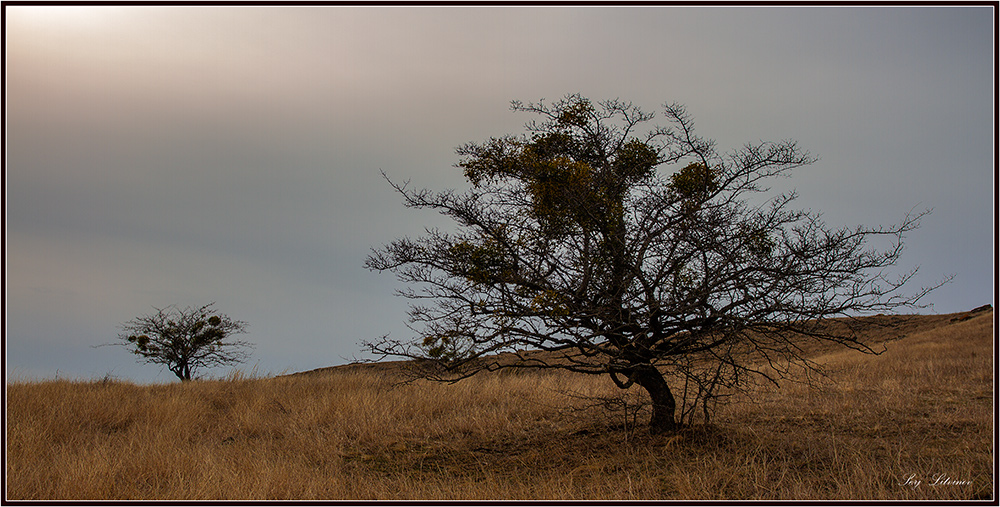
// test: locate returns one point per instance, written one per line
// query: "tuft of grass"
(882, 427)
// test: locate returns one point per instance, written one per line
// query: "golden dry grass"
(921, 411)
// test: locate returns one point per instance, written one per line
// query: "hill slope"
(880, 329)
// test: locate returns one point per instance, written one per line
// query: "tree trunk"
(182, 371)
(664, 405)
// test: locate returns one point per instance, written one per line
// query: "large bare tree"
(643, 255)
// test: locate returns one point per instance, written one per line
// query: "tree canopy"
(185, 340)
(640, 255)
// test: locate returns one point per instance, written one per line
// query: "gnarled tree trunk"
(664, 406)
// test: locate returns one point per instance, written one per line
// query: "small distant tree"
(648, 257)
(185, 339)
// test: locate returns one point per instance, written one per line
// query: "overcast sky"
(184, 155)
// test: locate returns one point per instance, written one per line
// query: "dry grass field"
(916, 422)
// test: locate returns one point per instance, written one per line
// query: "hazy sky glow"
(162, 155)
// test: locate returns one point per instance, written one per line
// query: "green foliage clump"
(635, 161)
(478, 263)
(443, 346)
(695, 181)
(577, 113)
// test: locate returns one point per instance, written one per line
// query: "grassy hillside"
(913, 423)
